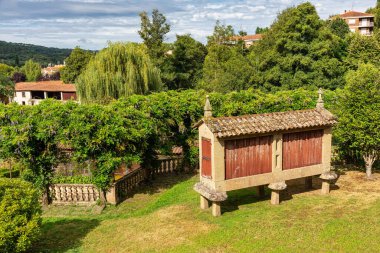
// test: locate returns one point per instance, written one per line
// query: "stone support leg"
(275, 198)
(308, 183)
(261, 191)
(216, 209)
(327, 179)
(276, 188)
(204, 203)
(325, 187)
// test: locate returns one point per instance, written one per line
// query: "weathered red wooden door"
(69, 95)
(247, 157)
(302, 149)
(206, 157)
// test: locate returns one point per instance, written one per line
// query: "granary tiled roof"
(269, 122)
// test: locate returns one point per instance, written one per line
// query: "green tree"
(376, 12)
(116, 71)
(32, 70)
(359, 115)
(221, 35)
(31, 136)
(153, 32)
(186, 62)
(6, 88)
(299, 51)
(364, 49)
(20, 215)
(338, 27)
(18, 76)
(260, 30)
(75, 64)
(6, 70)
(225, 69)
(109, 135)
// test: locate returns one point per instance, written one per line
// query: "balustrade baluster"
(57, 192)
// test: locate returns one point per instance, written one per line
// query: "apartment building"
(359, 22)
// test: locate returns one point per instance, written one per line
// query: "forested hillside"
(16, 54)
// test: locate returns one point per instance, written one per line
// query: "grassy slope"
(167, 218)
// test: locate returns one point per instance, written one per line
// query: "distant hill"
(17, 53)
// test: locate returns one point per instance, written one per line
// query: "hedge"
(20, 215)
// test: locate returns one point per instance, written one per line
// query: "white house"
(32, 93)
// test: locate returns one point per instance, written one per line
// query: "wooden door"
(301, 149)
(247, 157)
(206, 158)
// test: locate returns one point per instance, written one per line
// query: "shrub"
(4, 172)
(20, 215)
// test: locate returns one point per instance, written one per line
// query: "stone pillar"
(275, 197)
(308, 183)
(325, 187)
(260, 191)
(204, 203)
(216, 209)
(111, 195)
(327, 179)
(276, 188)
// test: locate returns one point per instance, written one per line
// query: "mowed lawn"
(165, 217)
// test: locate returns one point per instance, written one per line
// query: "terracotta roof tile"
(45, 86)
(269, 122)
(248, 37)
(350, 14)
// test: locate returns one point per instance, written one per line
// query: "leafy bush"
(20, 215)
(4, 172)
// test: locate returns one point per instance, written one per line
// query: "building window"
(351, 21)
(23, 102)
(364, 31)
(23, 94)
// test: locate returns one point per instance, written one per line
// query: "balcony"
(366, 24)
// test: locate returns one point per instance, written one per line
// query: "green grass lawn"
(165, 217)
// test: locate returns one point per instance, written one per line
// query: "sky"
(90, 24)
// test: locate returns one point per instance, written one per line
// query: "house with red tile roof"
(50, 70)
(359, 22)
(32, 93)
(249, 40)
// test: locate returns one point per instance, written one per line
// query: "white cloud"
(91, 23)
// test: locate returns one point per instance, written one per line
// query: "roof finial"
(320, 103)
(207, 109)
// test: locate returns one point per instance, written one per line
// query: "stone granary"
(263, 149)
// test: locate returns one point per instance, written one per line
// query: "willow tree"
(120, 70)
